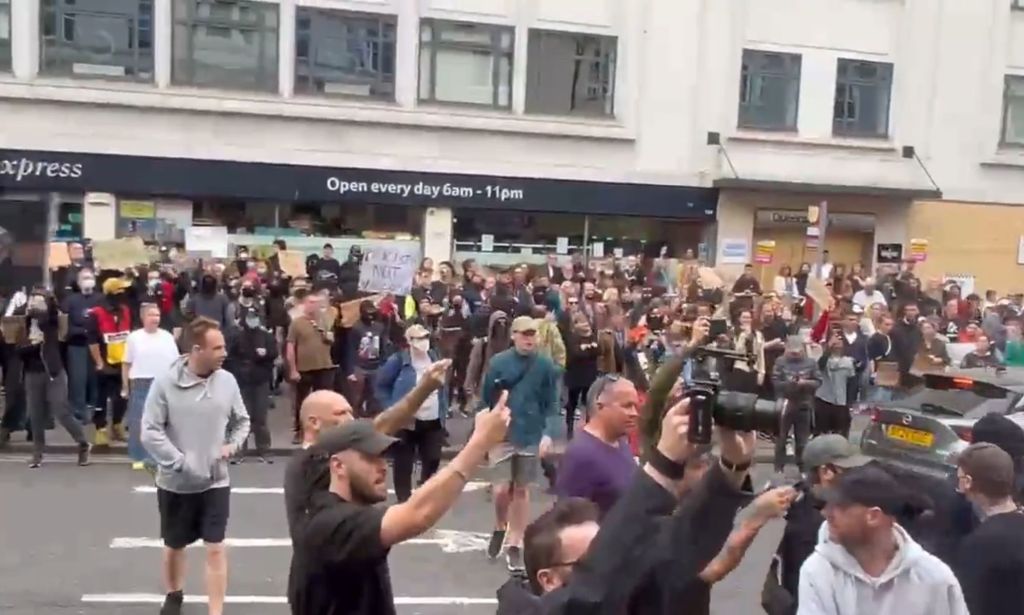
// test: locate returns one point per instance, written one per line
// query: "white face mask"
(87, 285)
(420, 345)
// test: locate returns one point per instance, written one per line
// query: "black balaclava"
(208, 285)
(367, 312)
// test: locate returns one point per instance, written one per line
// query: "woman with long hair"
(747, 376)
(785, 283)
(857, 276)
(801, 278)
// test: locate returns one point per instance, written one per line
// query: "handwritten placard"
(120, 253)
(388, 269)
(293, 263)
(58, 256)
(212, 239)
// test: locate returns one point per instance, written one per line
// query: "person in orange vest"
(110, 322)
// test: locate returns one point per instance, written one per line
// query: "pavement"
(86, 541)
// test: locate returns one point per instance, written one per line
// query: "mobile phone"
(719, 326)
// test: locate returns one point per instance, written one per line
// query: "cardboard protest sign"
(819, 293)
(13, 328)
(293, 263)
(389, 269)
(120, 253)
(58, 256)
(349, 310)
(709, 278)
(212, 239)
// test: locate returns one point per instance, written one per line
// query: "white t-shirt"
(150, 354)
(863, 299)
(430, 410)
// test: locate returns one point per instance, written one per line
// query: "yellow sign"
(764, 252)
(918, 250)
(138, 209)
(120, 253)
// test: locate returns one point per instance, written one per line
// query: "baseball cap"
(835, 450)
(869, 486)
(523, 324)
(115, 285)
(358, 435)
(416, 331)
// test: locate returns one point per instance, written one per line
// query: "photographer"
(649, 549)
(795, 378)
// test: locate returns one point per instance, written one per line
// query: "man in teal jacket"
(532, 381)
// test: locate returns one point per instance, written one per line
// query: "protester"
(308, 352)
(581, 369)
(831, 400)
(369, 346)
(795, 378)
(882, 356)
(983, 355)
(149, 353)
(82, 379)
(868, 295)
(252, 351)
(990, 563)
(193, 422)
(932, 354)
(110, 323)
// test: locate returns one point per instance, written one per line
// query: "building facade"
(506, 129)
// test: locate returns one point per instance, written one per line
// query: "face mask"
(248, 292)
(37, 304)
(87, 285)
(252, 321)
(243, 256)
(153, 283)
(369, 316)
(420, 345)
(261, 271)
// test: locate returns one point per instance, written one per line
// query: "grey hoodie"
(915, 583)
(186, 421)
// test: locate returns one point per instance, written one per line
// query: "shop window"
(344, 53)
(466, 63)
(863, 91)
(570, 74)
(769, 90)
(69, 222)
(1013, 110)
(5, 35)
(107, 39)
(226, 44)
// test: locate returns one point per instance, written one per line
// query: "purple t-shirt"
(594, 470)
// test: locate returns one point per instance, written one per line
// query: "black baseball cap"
(358, 435)
(870, 486)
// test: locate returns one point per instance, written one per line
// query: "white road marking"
(192, 599)
(470, 486)
(450, 541)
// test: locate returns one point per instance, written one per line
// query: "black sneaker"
(172, 603)
(497, 540)
(514, 559)
(235, 460)
(84, 454)
(265, 459)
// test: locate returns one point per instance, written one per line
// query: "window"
(863, 90)
(1013, 110)
(225, 43)
(5, 34)
(98, 38)
(466, 63)
(1017, 4)
(344, 53)
(570, 74)
(769, 90)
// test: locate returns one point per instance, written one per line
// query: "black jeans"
(313, 380)
(109, 390)
(14, 392)
(363, 399)
(577, 399)
(45, 395)
(799, 421)
(426, 439)
(831, 418)
(256, 396)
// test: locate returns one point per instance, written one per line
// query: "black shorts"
(188, 517)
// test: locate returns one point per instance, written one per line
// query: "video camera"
(711, 405)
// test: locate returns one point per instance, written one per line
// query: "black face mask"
(208, 285)
(248, 292)
(655, 323)
(369, 317)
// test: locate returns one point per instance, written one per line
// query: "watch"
(661, 463)
(735, 467)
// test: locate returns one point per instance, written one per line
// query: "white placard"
(964, 280)
(597, 249)
(562, 245)
(735, 251)
(487, 243)
(1020, 250)
(389, 269)
(212, 239)
(617, 252)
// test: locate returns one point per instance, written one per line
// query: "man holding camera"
(795, 378)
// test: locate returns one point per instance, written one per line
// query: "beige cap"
(415, 331)
(524, 323)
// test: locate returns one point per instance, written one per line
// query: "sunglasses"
(597, 389)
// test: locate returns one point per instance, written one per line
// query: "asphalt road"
(85, 540)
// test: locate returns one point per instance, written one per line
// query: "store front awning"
(767, 185)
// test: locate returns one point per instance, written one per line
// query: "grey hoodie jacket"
(915, 583)
(186, 421)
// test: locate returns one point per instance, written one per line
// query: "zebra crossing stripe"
(192, 599)
(470, 486)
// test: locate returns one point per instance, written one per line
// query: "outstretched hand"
(675, 427)
(491, 425)
(436, 373)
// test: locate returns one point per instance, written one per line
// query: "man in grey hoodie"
(194, 420)
(866, 563)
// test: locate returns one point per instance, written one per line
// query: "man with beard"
(341, 551)
(308, 351)
(110, 323)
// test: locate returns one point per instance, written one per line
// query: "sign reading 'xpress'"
(22, 168)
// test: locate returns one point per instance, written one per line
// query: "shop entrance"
(850, 239)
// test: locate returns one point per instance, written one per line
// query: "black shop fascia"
(28, 170)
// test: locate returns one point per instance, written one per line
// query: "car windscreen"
(953, 402)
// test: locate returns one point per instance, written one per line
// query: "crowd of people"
(185, 362)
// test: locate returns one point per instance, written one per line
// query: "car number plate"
(917, 437)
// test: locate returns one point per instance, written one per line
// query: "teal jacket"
(534, 394)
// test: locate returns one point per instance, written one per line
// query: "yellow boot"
(100, 438)
(118, 433)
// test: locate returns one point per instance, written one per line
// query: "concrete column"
(163, 43)
(286, 49)
(437, 234)
(25, 39)
(524, 17)
(99, 216)
(407, 54)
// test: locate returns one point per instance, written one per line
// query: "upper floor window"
(769, 90)
(466, 63)
(225, 44)
(5, 35)
(344, 53)
(110, 39)
(1017, 4)
(570, 74)
(863, 91)
(1013, 110)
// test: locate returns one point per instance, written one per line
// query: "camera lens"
(745, 412)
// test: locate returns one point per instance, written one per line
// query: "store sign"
(192, 178)
(764, 252)
(888, 253)
(918, 250)
(792, 218)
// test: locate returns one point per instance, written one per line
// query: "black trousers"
(799, 421)
(831, 418)
(577, 399)
(14, 392)
(108, 387)
(460, 363)
(424, 440)
(313, 380)
(256, 396)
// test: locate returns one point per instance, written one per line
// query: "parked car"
(928, 429)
